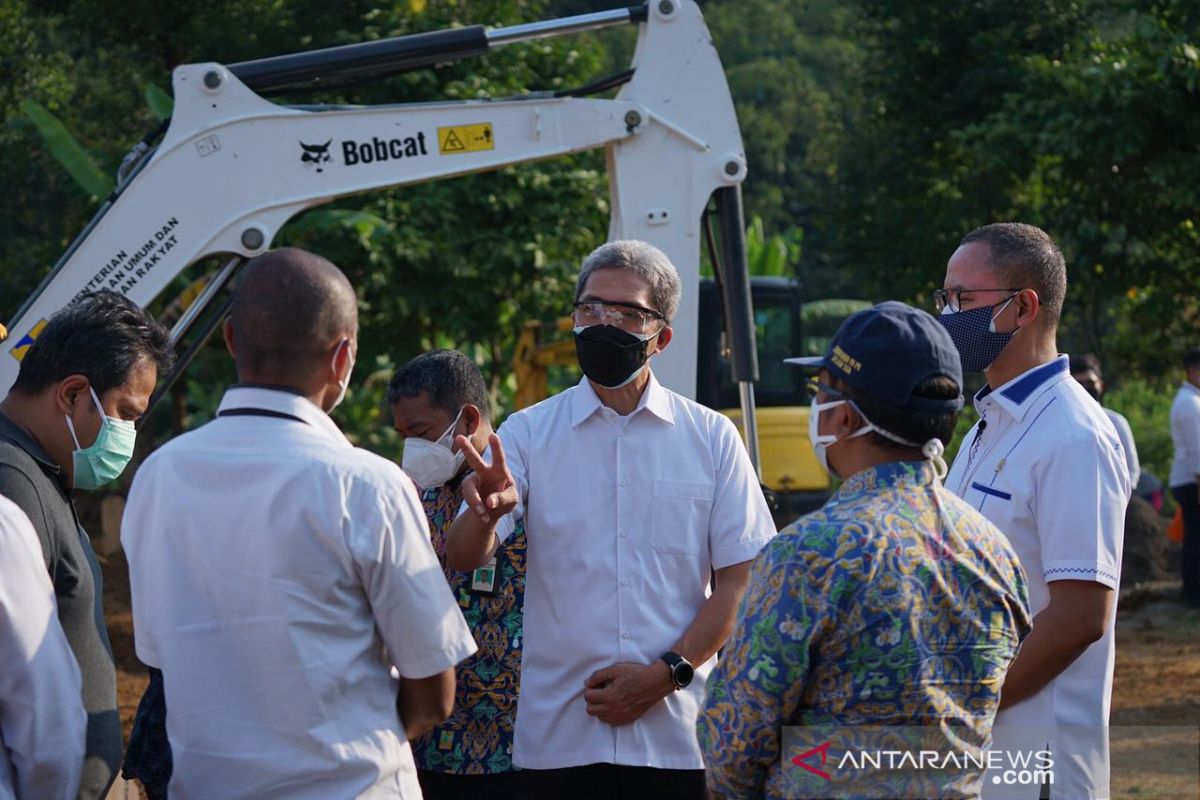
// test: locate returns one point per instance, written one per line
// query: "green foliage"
(67, 151)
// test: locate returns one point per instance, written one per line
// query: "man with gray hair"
(632, 496)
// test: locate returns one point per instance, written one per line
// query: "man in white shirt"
(42, 721)
(1185, 472)
(631, 495)
(277, 572)
(1086, 370)
(1046, 466)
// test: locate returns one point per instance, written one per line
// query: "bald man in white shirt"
(278, 573)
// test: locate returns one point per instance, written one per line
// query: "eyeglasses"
(952, 298)
(813, 387)
(627, 317)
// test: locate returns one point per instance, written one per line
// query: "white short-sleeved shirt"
(271, 563)
(42, 721)
(1045, 465)
(1185, 435)
(625, 518)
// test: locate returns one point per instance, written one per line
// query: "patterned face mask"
(974, 334)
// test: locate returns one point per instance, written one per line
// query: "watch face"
(683, 674)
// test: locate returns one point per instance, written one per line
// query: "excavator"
(670, 135)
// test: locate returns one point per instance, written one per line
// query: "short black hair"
(102, 336)
(1085, 362)
(449, 377)
(1191, 357)
(288, 306)
(1028, 258)
(912, 425)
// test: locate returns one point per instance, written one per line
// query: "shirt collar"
(285, 402)
(655, 399)
(893, 474)
(1014, 396)
(1190, 385)
(10, 430)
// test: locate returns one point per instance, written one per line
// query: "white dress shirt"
(1045, 465)
(271, 563)
(625, 518)
(1185, 435)
(42, 721)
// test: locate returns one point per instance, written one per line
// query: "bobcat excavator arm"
(232, 167)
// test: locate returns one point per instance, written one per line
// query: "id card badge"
(483, 579)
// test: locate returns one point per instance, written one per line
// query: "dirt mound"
(1148, 555)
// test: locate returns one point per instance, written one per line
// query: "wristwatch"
(682, 670)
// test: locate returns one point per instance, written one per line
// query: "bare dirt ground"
(1157, 684)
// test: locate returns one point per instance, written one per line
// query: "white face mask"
(820, 441)
(344, 383)
(432, 464)
(932, 450)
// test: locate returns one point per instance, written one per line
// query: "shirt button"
(623, 482)
(624, 534)
(625, 634)
(625, 581)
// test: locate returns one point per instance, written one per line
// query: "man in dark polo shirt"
(68, 423)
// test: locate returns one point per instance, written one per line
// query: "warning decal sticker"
(465, 138)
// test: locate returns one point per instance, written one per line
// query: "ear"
(471, 417)
(342, 352)
(227, 332)
(69, 391)
(664, 339)
(845, 420)
(1028, 305)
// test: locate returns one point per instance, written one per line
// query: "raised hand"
(490, 490)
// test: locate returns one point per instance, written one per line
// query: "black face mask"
(610, 356)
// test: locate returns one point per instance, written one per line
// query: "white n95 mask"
(432, 464)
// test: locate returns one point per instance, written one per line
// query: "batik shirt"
(477, 738)
(896, 604)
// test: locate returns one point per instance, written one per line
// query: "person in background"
(1185, 472)
(436, 398)
(68, 424)
(1086, 370)
(1044, 464)
(42, 722)
(277, 573)
(845, 602)
(632, 497)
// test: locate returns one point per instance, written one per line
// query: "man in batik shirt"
(435, 398)
(896, 604)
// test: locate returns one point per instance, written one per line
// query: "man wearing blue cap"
(896, 604)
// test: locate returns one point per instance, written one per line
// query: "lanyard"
(258, 412)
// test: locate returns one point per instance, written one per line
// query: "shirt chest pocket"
(679, 517)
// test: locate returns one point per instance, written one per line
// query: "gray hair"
(642, 259)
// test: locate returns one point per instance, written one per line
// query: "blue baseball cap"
(887, 350)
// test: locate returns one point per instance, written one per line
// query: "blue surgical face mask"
(974, 334)
(108, 456)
